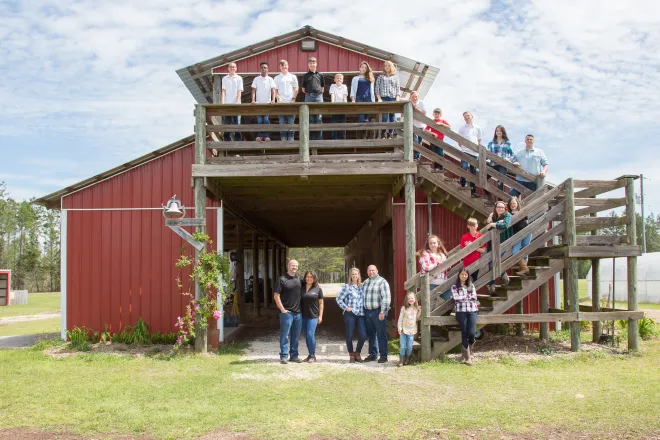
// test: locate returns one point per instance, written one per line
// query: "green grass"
(50, 325)
(184, 396)
(37, 303)
(584, 293)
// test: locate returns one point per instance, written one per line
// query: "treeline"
(29, 244)
(328, 263)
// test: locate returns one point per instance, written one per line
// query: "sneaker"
(267, 139)
(370, 358)
(491, 290)
(382, 360)
(296, 360)
(505, 279)
(258, 139)
(283, 361)
(291, 140)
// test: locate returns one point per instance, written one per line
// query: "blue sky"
(87, 85)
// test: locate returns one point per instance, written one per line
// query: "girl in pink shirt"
(433, 254)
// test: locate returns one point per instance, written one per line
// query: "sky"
(88, 85)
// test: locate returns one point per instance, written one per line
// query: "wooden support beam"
(520, 329)
(425, 330)
(305, 169)
(595, 297)
(544, 305)
(570, 264)
(240, 269)
(586, 224)
(408, 131)
(303, 119)
(631, 232)
(600, 240)
(267, 268)
(495, 250)
(277, 264)
(572, 317)
(255, 274)
(410, 226)
(201, 339)
(596, 187)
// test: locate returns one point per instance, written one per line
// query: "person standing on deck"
(232, 87)
(362, 90)
(287, 90)
(338, 93)
(471, 132)
(313, 85)
(287, 297)
(388, 89)
(263, 92)
(533, 161)
(418, 105)
(377, 299)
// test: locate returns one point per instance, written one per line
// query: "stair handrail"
(457, 254)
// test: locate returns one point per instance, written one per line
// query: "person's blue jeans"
(309, 328)
(465, 165)
(288, 119)
(315, 119)
(336, 134)
(263, 120)
(353, 322)
(231, 120)
(530, 185)
(388, 117)
(363, 98)
(502, 170)
(376, 331)
(467, 321)
(418, 140)
(290, 326)
(406, 344)
(521, 244)
(440, 152)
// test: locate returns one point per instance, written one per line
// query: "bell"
(173, 210)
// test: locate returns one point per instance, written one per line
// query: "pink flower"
(217, 315)
(208, 285)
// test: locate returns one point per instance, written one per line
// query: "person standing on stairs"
(388, 89)
(377, 299)
(433, 254)
(471, 132)
(472, 235)
(532, 160)
(500, 219)
(514, 206)
(501, 146)
(467, 306)
(351, 301)
(410, 313)
(362, 90)
(437, 118)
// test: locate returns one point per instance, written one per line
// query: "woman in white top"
(433, 254)
(338, 93)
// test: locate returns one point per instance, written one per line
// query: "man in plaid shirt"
(377, 299)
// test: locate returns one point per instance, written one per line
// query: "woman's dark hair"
(314, 277)
(504, 135)
(495, 217)
(468, 282)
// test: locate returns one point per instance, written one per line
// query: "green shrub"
(139, 334)
(78, 338)
(647, 328)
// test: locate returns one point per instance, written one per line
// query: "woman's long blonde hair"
(427, 248)
(392, 67)
(350, 272)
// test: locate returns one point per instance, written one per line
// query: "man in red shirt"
(437, 118)
(468, 238)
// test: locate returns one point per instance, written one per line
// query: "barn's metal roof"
(198, 77)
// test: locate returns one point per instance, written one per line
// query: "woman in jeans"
(515, 206)
(362, 90)
(351, 301)
(500, 219)
(501, 146)
(312, 311)
(388, 89)
(467, 306)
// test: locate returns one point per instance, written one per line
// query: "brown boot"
(351, 358)
(469, 355)
(402, 361)
(465, 355)
(523, 268)
(358, 358)
(406, 360)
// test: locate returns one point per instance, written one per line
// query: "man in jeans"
(287, 90)
(232, 87)
(287, 295)
(377, 299)
(471, 132)
(263, 92)
(312, 86)
(533, 161)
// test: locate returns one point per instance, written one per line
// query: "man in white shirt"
(418, 105)
(232, 87)
(286, 85)
(263, 92)
(472, 133)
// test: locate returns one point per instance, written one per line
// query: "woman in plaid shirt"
(351, 301)
(388, 89)
(465, 298)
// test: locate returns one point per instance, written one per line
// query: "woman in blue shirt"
(362, 90)
(351, 301)
(500, 146)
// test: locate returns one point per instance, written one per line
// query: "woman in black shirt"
(312, 311)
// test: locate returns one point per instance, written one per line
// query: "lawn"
(184, 397)
(50, 325)
(37, 303)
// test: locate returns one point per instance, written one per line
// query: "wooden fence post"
(408, 132)
(595, 297)
(201, 338)
(425, 336)
(496, 259)
(544, 303)
(409, 187)
(483, 175)
(267, 266)
(520, 330)
(240, 268)
(255, 273)
(631, 232)
(570, 264)
(303, 119)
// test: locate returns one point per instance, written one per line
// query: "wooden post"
(520, 330)
(483, 176)
(217, 88)
(408, 133)
(255, 273)
(277, 265)
(495, 253)
(201, 338)
(631, 232)
(544, 303)
(240, 268)
(411, 266)
(267, 267)
(303, 119)
(570, 264)
(595, 297)
(425, 336)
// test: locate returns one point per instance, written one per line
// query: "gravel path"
(25, 341)
(26, 318)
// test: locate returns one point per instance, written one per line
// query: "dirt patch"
(26, 318)
(35, 434)
(134, 351)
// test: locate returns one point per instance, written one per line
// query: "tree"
(323, 261)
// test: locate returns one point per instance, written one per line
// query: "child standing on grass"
(408, 316)
(338, 93)
(465, 298)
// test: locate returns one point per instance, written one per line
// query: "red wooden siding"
(120, 264)
(330, 59)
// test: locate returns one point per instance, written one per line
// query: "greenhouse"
(614, 282)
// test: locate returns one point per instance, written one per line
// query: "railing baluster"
(408, 131)
(483, 176)
(425, 336)
(495, 252)
(303, 119)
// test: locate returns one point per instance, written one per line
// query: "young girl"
(515, 206)
(500, 219)
(388, 89)
(362, 90)
(465, 298)
(501, 146)
(434, 253)
(351, 301)
(408, 316)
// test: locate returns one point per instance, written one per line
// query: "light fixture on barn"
(308, 45)
(174, 213)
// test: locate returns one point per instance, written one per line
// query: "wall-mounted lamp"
(308, 45)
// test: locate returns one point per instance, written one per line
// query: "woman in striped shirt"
(351, 301)
(465, 298)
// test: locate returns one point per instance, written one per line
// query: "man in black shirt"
(287, 294)
(313, 86)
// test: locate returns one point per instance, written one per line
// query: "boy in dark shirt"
(312, 86)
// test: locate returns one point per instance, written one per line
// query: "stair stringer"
(463, 202)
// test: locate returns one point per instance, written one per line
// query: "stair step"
(439, 338)
(484, 310)
(507, 287)
(492, 298)
(539, 267)
(513, 278)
